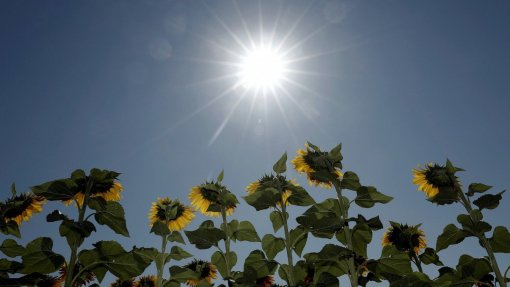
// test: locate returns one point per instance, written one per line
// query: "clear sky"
(143, 88)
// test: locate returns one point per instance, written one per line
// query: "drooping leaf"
(350, 181)
(257, 266)
(500, 240)
(298, 238)
(488, 201)
(276, 219)
(429, 256)
(415, 279)
(11, 248)
(76, 232)
(451, 235)
(272, 245)
(263, 199)
(177, 253)
(176, 236)
(300, 196)
(367, 196)
(39, 257)
(205, 236)
(219, 260)
(246, 232)
(281, 165)
(160, 228)
(111, 214)
(477, 188)
(182, 274)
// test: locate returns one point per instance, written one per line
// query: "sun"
(262, 68)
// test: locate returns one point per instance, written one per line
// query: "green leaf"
(7, 266)
(257, 266)
(10, 228)
(246, 232)
(263, 199)
(182, 274)
(177, 253)
(335, 153)
(281, 165)
(298, 238)
(76, 232)
(473, 228)
(219, 261)
(220, 176)
(477, 188)
(429, 256)
(451, 235)
(500, 240)
(39, 257)
(396, 265)
(488, 201)
(11, 248)
(56, 215)
(367, 196)
(322, 219)
(111, 214)
(205, 237)
(276, 219)
(415, 279)
(350, 181)
(361, 236)
(13, 189)
(176, 236)
(300, 197)
(232, 228)
(159, 228)
(272, 245)
(62, 189)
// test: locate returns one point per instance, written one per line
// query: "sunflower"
(266, 281)
(182, 215)
(146, 281)
(123, 283)
(21, 207)
(317, 166)
(278, 181)
(109, 192)
(205, 195)
(437, 183)
(206, 270)
(405, 237)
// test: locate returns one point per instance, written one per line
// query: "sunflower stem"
(353, 273)
(288, 246)
(485, 242)
(74, 247)
(416, 261)
(227, 242)
(160, 264)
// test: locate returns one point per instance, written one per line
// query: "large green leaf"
(451, 235)
(205, 236)
(415, 279)
(272, 245)
(367, 196)
(477, 188)
(394, 266)
(474, 228)
(177, 253)
(322, 219)
(160, 228)
(9, 228)
(350, 181)
(429, 256)
(257, 266)
(176, 236)
(488, 201)
(361, 237)
(281, 165)
(298, 238)
(76, 232)
(500, 240)
(111, 214)
(246, 232)
(263, 199)
(39, 257)
(182, 274)
(11, 248)
(300, 196)
(218, 259)
(62, 189)
(276, 219)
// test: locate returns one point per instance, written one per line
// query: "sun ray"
(304, 39)
(243, 22)
(293, 27)
(285, 117)
(226, 119)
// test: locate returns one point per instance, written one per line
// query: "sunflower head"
(274, 182)
(146, 281)
(266, 281)
(437, 182)
(170, 212)
(322, 168)
(205, 270)
(49, 281)
(21, 207)
(211, 197)
(405, 237)
(123, 283)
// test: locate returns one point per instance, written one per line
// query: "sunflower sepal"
(281, 165)
(263, 199)
(335, 155)
(445, 196)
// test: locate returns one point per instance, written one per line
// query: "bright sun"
(262, 68)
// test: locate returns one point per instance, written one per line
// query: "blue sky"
(129, 86)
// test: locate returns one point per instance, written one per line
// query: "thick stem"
(416, 261)
(288, 246)
(485, 242)
(227, 242)
(353, 273)
(160, 264)
(74, 247)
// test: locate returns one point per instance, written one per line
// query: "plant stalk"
(161, 264)
(485, 242)
(353, 273)
(288, 246)
(227, 242)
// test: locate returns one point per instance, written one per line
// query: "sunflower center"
(17, 205)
